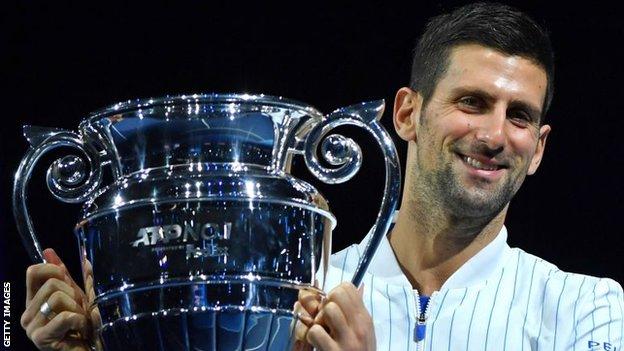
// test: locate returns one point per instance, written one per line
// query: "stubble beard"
(444, 192)
(462, 202)
(443, 188)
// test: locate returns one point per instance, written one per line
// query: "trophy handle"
(344, 152)
(67, 177)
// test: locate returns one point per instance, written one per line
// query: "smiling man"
(445, 278)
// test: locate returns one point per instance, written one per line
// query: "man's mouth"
(485, 166)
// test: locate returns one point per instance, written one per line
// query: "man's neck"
(430, 248)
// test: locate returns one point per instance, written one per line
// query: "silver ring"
(46, 310)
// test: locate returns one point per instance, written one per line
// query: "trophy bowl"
(203, 238)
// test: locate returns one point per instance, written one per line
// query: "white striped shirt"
(501, 299)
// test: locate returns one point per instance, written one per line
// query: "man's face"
(479, 134)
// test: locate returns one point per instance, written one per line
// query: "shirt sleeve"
(599, 317)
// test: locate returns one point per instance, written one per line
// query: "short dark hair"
(492, 25)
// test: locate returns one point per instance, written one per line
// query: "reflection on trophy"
(203, 239)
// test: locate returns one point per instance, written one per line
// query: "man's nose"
(490, 130)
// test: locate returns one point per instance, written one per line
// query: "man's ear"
(407, 105)
(539, 149)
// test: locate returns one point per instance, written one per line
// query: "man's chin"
(477, 204)
(468, 197)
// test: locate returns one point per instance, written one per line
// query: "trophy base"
(214, 329)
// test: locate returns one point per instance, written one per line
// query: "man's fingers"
(87, 272)
(74, 345)
(347, 297)
(302, 346)
(306, 307)
(332, 316)
(51, 283)
(58, 327)
(310, 301)
(318, 337)
(304, 321)
(89, 289)
(87, 268)
(51, 257)
(59, 302)
(300, 331)
(50, 287)
(303, 315)
(341, 320)
(38, 274)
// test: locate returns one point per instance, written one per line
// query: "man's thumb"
(51, 257)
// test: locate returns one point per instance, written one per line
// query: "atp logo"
(597, 346)
(177, 234)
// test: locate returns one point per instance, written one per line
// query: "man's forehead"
(465, 56)
(472, 64)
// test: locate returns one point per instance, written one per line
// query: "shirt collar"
(476, 271)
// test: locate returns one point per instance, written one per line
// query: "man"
(445, 278)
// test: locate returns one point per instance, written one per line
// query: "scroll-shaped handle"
(339, 150)
(67, 177)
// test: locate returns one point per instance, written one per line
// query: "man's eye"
(520, 117)
(470, 101)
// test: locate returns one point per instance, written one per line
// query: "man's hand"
(66, 326)
(340, 322)
(307, 307)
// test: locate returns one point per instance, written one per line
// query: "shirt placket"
(422, 318)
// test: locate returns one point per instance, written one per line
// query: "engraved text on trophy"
(199, 240)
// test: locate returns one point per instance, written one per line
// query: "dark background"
(63, 61)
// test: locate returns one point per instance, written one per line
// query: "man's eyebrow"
(459, 91)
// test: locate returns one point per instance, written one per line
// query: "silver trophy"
(202, 239)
